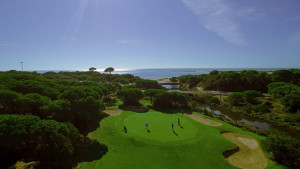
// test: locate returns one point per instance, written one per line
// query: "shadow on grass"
(134, 108)
(175, 133)
(91, 150)
(8, 158)
(92, 124)
(171, 110)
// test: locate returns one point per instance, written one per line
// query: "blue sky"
(78, 34)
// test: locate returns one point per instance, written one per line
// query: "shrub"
(251, 95)
(170, 100)
(293, 117)
(130, 96)
(285, 149)
(162, 100)
(236, 98)
(152, 92)
(268, 103)
(179, 99)
(173, 79)
(214, 100)
(202, 98)
(29, 137)
(122, 81)
(147, 84)
(292, 101)
(184, 87)
(261, 108)
(288, 94)
(274, 85)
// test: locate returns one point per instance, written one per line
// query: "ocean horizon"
(166, 72)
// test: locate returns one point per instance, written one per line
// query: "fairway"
(195, 145)
(160, 126)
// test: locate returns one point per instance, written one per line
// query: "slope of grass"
(195, 146)
(160, 127)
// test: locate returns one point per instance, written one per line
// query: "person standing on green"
(146, 125)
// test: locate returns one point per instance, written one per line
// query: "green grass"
(145, 102)
(196, 146)
(160, 127)
(113, 105)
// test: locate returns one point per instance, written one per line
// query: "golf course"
(196, 142)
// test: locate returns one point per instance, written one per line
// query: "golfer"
(178, 122)
(172, 126)
(146, 126)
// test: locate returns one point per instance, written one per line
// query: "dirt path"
(203, 120)
(250, 154)
(113, 112)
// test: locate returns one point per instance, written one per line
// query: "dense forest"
(234, 81)
(53, 112)
(247, 85)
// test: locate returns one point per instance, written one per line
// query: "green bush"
(236, 98)
(184, 87)
(170, 100)
(268, 103)
(288, 94)
(292, 101)
(173, 79)
(130, 96)
(251, 96)
(261, 108)
(147, 84)
(285, 149)
(122, 81)
(21, 133)
(152, 92)
(162, 100)
(214, 100)
(202, 98)
(293, 117)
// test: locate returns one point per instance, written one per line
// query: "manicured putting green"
(159, 126)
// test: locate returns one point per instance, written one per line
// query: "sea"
(176, 72)
(170, 72)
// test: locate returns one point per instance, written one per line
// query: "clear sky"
(78, 34)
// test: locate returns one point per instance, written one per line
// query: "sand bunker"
(252, 144)
(250, 154)
(203, 120)
(113, 112)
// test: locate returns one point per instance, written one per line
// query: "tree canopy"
(234, 81)
(289, 94)
(29, 137)
(285, 149)
(130, 96)
(92, 69)
(236, 98)
(109, 69)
